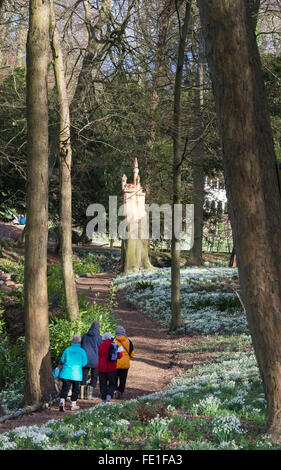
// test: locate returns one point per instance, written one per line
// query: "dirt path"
(10, 231)
(151, 369)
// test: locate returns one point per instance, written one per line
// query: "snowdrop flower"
(122, 422)
(6, 444)
(80, 433)
(225, 445)
(225, 426)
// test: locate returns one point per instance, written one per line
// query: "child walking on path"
(107, 368)
(123, 364)
(73, 359)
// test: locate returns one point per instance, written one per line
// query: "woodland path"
(152, 368)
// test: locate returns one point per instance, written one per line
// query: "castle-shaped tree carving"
(135, 246)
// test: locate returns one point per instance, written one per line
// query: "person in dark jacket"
(73, 359)
(107, 369)
(90, 343)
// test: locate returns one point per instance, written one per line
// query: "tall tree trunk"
(21, 39)
(232, 262)
(3, 35)
(251, 181)
(39, 381)
(176, 320)
(196, 255)
(65, 161)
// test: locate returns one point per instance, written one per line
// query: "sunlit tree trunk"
(134, 255)
(65, 162)
(39, 381)
(251, 181)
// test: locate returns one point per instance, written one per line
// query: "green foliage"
(142, 285)
(16, 269)
(13, 144)
(54, 282)
(216, 343)
(2, 322)
(18, 294)
(11, 356)
(61, 334)
(222, 303)
(13, 267)
(62, 331)
(86, 264)
(6, 213)
(11, 361)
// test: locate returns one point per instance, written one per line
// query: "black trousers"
(121, 379)
(66, 385)
(107, 383)
(94, 375)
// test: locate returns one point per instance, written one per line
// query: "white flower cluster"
(201, 289)
(225, 427)
(198, 445)
(208, 406)
(158, 425)
(122, 422)
(33, 434)
(213, 389)
(6, 443)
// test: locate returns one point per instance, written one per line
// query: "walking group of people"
(106, 358)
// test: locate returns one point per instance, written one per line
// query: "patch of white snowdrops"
(226, 392)
(206, 293)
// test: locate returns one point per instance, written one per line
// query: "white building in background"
(215, 194)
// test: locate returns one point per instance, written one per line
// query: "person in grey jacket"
(90, 343)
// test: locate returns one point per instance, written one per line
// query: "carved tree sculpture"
(135, 240)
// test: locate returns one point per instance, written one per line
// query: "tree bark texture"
(198, 175)
(65, 162)
(39, 381)
(176, 320)
(135, 253)
(251, 181)
(21, 39)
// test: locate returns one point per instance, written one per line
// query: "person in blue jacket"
(73, 359)
(22, 220)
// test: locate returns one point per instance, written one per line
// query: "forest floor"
(10, 231)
